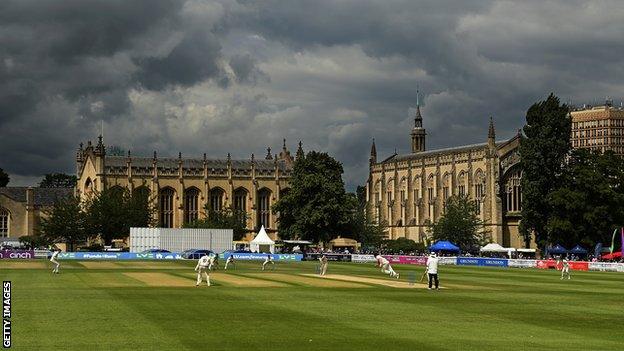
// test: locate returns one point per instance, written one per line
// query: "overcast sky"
(238, 76)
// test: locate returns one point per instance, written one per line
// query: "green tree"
(65, 222)
(587, 205)
(4, 178)
(316, 208)
(402, 246)
(363, 228)
(112, 212)
(227, 218)
(543, 149)
(459, 224)
(58, 180)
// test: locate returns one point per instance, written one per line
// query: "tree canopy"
(58, 180)
(66, 222)
(459, 224)
(316, 208)
(4, 178)
(587, 204)
(543, 150)
(112, 212)
(227, 218)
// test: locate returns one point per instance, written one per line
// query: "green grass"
(479, 309)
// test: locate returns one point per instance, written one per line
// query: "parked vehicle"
(195, 254)
(156, 251)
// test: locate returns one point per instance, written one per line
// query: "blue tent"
(579, 250)
(557, 250)
(444, 245)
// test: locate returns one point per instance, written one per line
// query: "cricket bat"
(423, 276)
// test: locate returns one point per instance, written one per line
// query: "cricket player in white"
(230, 260)
(565, 269)
(203, 267)
(432, 270)
(53, 260)
(323, 268)
(214, 262)
(268, 260)
(385, 266)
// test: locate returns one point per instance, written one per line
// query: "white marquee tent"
(262, 243)
(493, 247)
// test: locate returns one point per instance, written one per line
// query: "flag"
(613, 241)
(598, 250)
(622, 242)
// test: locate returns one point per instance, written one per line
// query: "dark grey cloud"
(236, 76)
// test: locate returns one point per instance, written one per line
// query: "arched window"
(446, 187)
(461, 184)
(166, 207)
(389, 198)
(191, 205)
(216, 199)
(264, 207)
(513, 191)
(479, 189)
(142, 193)
(240, 202)
(431, 196)
(88, 188)
(403, 197)
(4, 223)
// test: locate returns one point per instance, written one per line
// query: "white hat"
(432, 254)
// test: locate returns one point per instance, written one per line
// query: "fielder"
(385, 266)
(268, 260)
(214, 262)
(565, 270)
(323, 268)
(203, 266)
(230, 260)
(54, 261)
(432, 271)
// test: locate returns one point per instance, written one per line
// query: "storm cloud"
(238, 76)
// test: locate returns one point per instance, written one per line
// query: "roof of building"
(42, 196)
(189, 163)
(419, 155)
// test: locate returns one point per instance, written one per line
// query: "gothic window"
(513, 192)
(479, 189)
(240, 202)
(166, 207)
(430, 195)
(264, 209)
(216, 199)
(191, 205)
(88, 189)
(461, 181)
(4, 223)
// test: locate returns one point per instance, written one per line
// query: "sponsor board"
(246, 256)
(330, 256)
(402, 259)
(447, 260)
(119, 256)
(605, 266)
(552, 264)
(479, 261)
(17, 254)
(362, 258)
(522, 263)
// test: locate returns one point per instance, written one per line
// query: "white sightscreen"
(178, 240)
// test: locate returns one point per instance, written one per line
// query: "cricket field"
(140, 305)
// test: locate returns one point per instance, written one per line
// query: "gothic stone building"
(182, 188)
(22, 208)
(408, 191)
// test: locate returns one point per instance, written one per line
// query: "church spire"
(373, 154)
(491, 132)
(418, 132)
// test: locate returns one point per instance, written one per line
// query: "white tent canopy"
(262, 242)
(494, 247)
